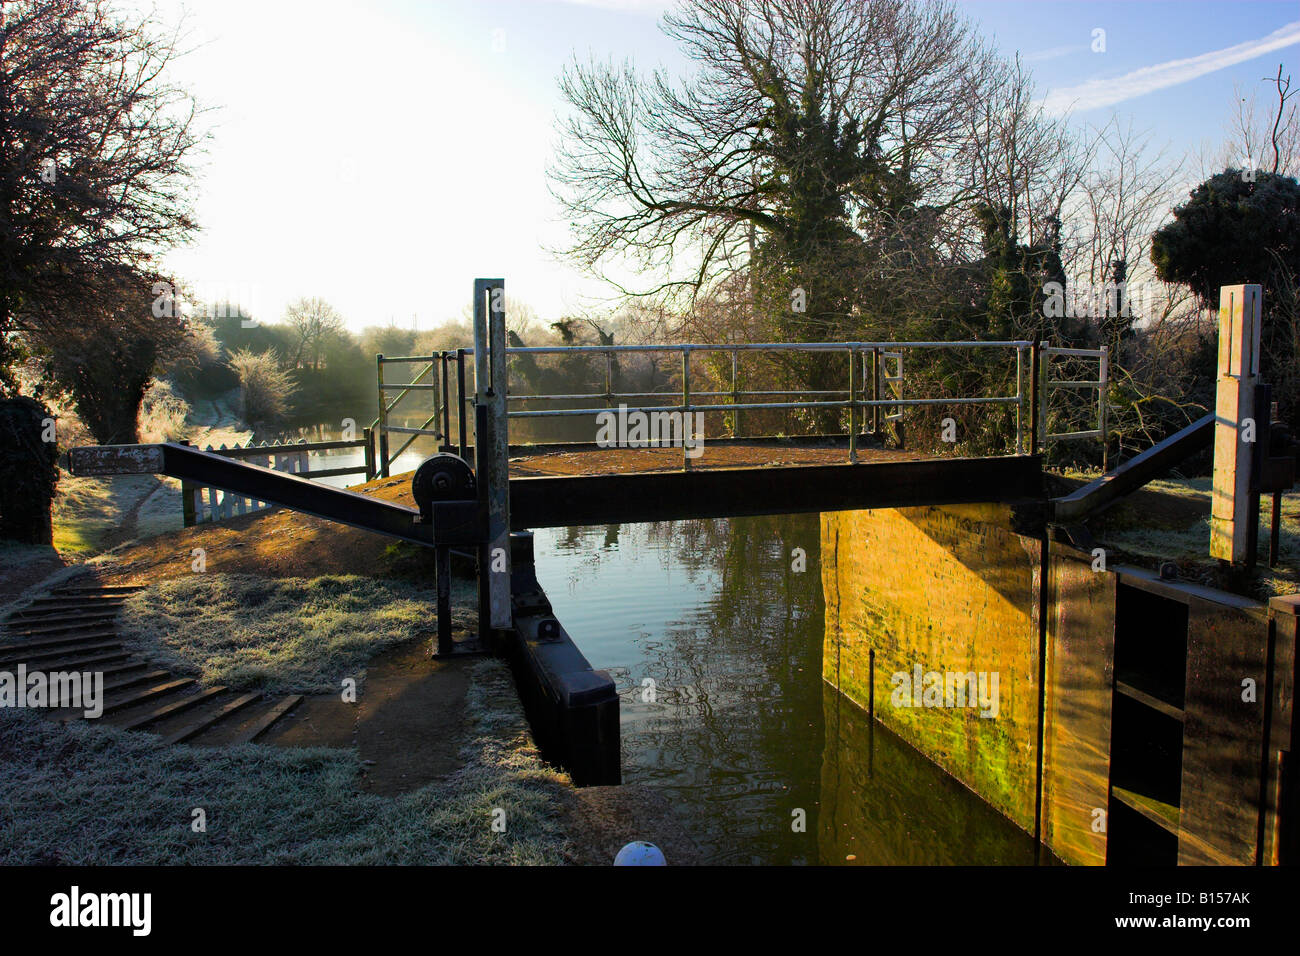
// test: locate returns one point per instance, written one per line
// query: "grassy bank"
(1176, 527)
(279, 635)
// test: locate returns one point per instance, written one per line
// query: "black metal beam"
(602, 499)
(254, 481)
(1133, 474)
(300, 494)
(726, 493)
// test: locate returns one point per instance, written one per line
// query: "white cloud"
(1099, 93)
(1055, 52)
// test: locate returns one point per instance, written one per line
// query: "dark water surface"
(739, 730)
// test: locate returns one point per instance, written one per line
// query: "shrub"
(265, 387)
(163, 413)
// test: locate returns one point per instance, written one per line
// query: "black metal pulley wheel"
(444, 477)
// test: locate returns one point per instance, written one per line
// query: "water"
(741, 732)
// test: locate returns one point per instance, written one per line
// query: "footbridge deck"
(546, 497)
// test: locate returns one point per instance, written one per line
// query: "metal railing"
(438, 370)
(873, 394)
(1046, 353)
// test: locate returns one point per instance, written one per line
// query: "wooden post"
(1235, 429)
(188, 516)
(369, 453)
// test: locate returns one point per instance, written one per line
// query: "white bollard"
(640, 853)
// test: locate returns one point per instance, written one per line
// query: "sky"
(382, 155)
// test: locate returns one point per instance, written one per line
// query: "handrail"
(1134, 473)
(753, 347)
(874, 395)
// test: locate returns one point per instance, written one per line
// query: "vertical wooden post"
(1235, 429)
(188, 515)
(369, 453)
(1280, 801)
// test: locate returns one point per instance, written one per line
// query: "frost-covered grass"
(87, 510)
(1184, 536)
(280, 635)
(91, 794)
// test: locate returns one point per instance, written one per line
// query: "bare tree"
(803, 116)
(314, 321)
(1257, 136)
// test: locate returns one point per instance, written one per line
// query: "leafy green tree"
(1242, 227)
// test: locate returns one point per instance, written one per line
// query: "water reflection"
(715, 640)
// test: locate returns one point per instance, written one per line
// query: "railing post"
(437, 408)
(875, 391)
(383, 418)
(368, 436)
(853, 406)
(609, 379)
(1020, 399)
(1043, 365)
(1033, 398)
(461, 423)
(686, 405)
(735, 392)
(1103, 377)
(445, 444)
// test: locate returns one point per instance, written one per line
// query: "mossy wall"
(951, 589)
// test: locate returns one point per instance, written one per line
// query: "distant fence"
(203, 503)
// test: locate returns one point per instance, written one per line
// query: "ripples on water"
(741, 732)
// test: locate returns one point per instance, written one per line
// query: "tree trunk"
(28, 472)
